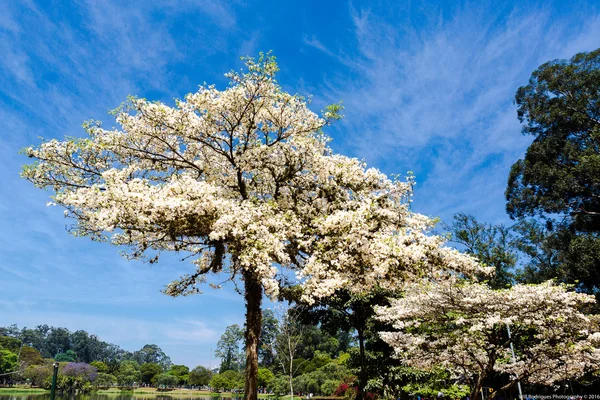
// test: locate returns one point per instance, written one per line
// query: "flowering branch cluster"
(242, 179)
(463, 328)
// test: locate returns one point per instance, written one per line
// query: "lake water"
(112, 397)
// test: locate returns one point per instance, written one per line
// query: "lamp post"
(53, 388)
(512, 350)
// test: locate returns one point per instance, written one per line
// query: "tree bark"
(476, 391)
(362, 379)
(253, 297)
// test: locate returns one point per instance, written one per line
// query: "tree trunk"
(362, 379)
(476, 391)
(253, 297)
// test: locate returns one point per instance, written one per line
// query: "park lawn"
(22, 389)
(145, 391)
(184, 392)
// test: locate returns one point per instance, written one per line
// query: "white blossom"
(242, 179)
(462, 326)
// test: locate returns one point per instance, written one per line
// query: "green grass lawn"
(144, 391)
(22, 389)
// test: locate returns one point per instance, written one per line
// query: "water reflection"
(116, 396)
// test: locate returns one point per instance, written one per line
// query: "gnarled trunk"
(253, 297)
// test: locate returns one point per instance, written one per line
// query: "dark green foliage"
(8, 361)
(315, 340)
(151, 353)
(268, 332)
(100, 366)
(10, 343)
(88, 347)
(166, 380)
(68, 356)
(557, 183)
(345, 312)
(181, 372)
(58, 341)
(490, 244)
(229, 348)
(560, 173)
(105, 380)
(200, 376)
(149, 371)
(129, 373)
(227, 380)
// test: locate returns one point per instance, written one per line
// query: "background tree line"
(85, 361)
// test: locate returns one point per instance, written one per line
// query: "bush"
(166, 380)
(280, 385)
(37, 374)
(341, 389)
(329, 387)
(105, 380)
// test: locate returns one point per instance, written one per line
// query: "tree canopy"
(463, 328)
(558, 181)
(561, 169)
(243, 181)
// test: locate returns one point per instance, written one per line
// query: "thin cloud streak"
(438, 99)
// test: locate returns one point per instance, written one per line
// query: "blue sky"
(428, 87)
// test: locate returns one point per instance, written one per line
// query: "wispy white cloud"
(75, 65)
(438, 98)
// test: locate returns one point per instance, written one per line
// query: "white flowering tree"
(463, 328)
(243, 182)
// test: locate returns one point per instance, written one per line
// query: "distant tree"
(560, 173)
(88, 347)
(29, 356)
(264, 377)
(100, 366)
(181, 372)
(199, 376)
(151, 353)
(129, 373)
(36, 338)
(558, 181)
(12, 331)
(149, 371)
(227, 380)
(10, 343)
(354, 311)
(8, 361)
(68, 356)
(167, 380)
(37, 374)
(105, 380)
(289, 335)
(79, 377)
(267, 336)
(490, 244)
(229, 348)
(279, 385)
(219, 382)
(58, 341)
